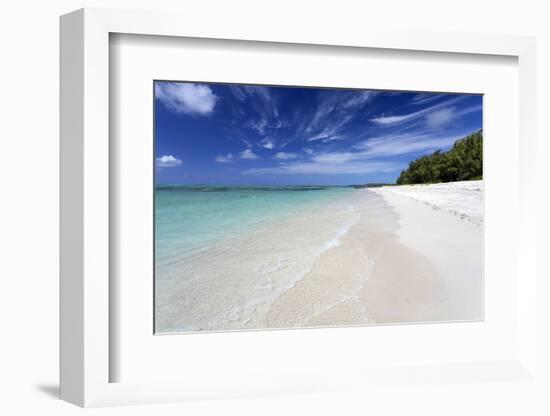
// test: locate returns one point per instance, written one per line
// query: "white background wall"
(29, 204)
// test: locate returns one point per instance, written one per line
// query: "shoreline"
(386, 258)
(221, 228)
(231, 285)
(393, 266)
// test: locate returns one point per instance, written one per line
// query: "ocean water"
(193, 218)
(225, 254)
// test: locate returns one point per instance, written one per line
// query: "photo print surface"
(295, 207)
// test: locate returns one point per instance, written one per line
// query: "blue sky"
(223, 134)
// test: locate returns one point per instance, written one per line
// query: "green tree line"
(463, 162)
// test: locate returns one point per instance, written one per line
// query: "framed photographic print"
(250, 215)
(277, 207)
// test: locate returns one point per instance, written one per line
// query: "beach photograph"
(279, 207)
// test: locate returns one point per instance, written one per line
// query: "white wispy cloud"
(264, 104)
(238, 92)
(388, 146)
(263, 123)
(338, 103)
(424, 98)
(331, 131)
(180, 97)
(337, 157)
(266, 116)
(259, 125)
(326, 121)
(446, 116)
(392, 120)
(326, 106)
(264, 96)
(357, 99)
(468, 110)
(248, 154)
(393, 138)
(366, 158)
(317, 168)
(440, 118)
(327, 135)
(167, 161)
(322, 125)
(267, 143)
(393, 145)
(228, 158)
(285, 156)
(407, 146)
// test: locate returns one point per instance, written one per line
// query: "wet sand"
(393, 266)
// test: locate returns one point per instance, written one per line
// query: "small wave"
(272, 266)
(336, 241)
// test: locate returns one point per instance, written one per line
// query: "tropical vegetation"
(463, 162)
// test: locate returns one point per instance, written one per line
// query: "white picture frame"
(86, 303)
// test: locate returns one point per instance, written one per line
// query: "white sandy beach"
(464, 199)
(444, 223)
(387, 255)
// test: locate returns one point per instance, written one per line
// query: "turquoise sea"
(192, 218)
